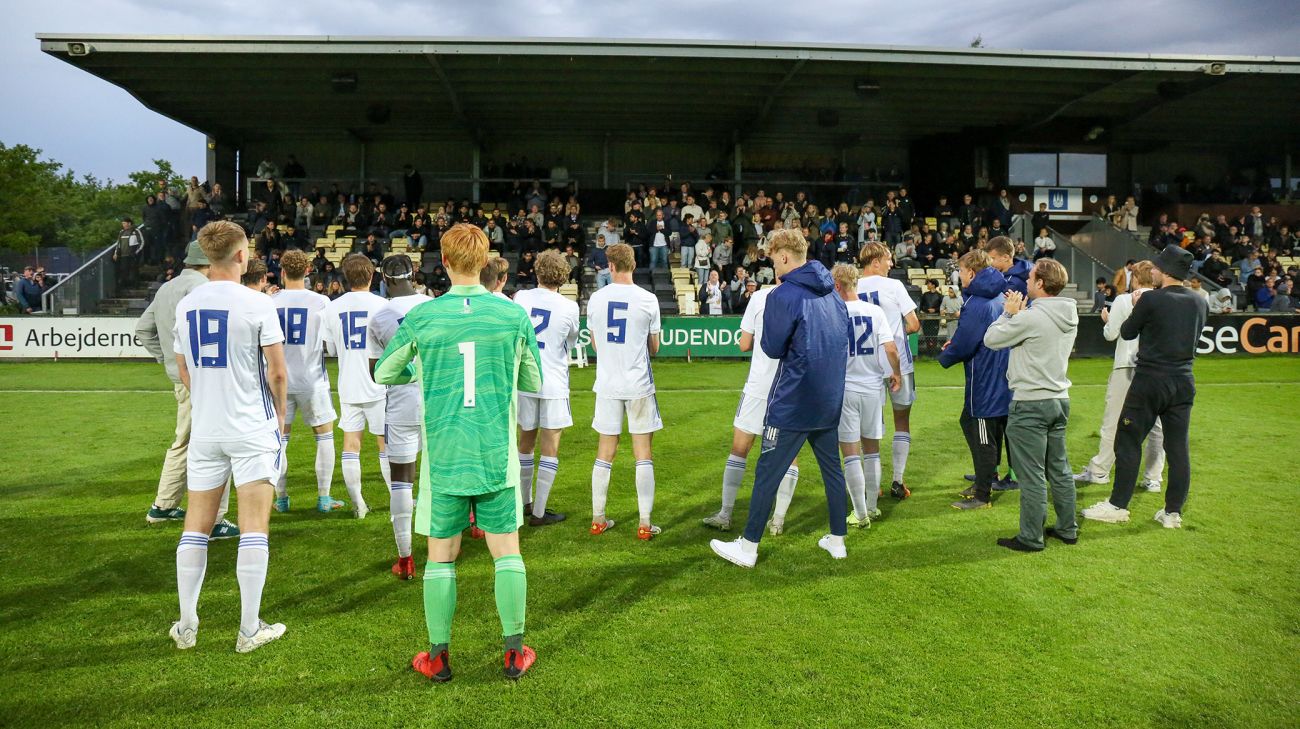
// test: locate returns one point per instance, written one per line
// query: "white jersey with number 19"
(621, 318)
(555, 319)
(344, 328)
(891, 295)
(299, 311)
(220, 329)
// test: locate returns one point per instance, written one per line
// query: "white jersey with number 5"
(555, 319)
(762, 368)
(404, 403)
(621, 318)
(868, 364)
(345, 325)
(891, 295)
(299, 311)
(221, 328)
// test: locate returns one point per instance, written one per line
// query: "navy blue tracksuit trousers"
(778, 451)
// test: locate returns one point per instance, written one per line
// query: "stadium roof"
(433, 89)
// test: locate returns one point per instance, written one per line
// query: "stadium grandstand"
(558, 141)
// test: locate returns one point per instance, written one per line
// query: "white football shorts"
(906, 394)
(548, 413)
(642, 415)
(750, 414)
(402, 443)
(209, 464)
(861, 416)
(316, 407)
(360, 415)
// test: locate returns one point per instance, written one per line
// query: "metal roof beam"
(474, 130)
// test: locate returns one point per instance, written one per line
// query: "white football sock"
(352, 476)
(784, 493)
(902, 446)
(191, 564)
(871, 472)
(645, 489)
(856, 484)
(324, 463)
(599, 489)
(281, 490)
(526, 476)
(732, 474)
(547, 469)
(400, 505)
(385, 470)
(250, 569)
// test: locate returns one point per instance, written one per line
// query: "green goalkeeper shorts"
(445, 515)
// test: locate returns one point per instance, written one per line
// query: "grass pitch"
(928, 623)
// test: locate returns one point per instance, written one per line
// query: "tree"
(977, 42)
(48, 205)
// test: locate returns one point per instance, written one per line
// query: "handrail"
(48, 295)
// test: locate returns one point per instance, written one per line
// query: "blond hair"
(294, 264)
(493, 271)
(358, 270)
(465, 248)
(621, 257)
(975, 260)
(871, 253)
(845, 275)
(551, 268)
(789, 240)
(220, 239)
(1052, 275)
(1142, 274)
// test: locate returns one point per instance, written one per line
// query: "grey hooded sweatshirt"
(1042, 337)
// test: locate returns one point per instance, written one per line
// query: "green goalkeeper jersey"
(475, 351)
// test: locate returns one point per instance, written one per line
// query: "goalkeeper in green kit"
(473, 351)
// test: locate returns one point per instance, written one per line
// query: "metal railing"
(84, 288)
(1083, 269)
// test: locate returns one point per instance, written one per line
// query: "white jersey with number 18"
(220, 329)
(556, 321)
(621, 318)
(299, 311)
(891, 295)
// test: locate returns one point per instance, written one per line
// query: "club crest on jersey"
(466, 308)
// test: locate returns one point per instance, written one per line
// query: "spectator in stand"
(496, 236)
(906, 210)
(268, 240)
(266, 168)
(741, 303)
(439, 281)
(1109, 211)
(194, 196)
(1127, 215)
(722, 256)
(154, 216)
(866, 222)
(130, 242)
(999, 218)
(1044, 246)
(525, 277)
(335, 289)
(217, 201)
(598, 260)
(703, 257)
(905, 253)
(846, 247)
(950, 311)
(200, 217)
(1264, 295)
(1195, 286)
(168, 269)
(1098, 296)
(657, 240)
(711, 295)
(891, 223)
(1042, 220)
(722, 228)
(1254, 282)
(1221, 301)
(1282, 301)
(413, 185)
(28, 292)
(931, 299)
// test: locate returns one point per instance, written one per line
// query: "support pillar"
(737, 165)
(474, 173)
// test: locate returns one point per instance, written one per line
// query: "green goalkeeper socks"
(440, 600)
(511, 593)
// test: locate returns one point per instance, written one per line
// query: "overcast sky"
(95, 127)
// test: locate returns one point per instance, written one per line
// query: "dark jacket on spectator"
(28, 293)
(988, 395)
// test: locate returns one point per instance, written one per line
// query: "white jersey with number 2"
(556, 321)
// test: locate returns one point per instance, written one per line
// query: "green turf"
(927, 623)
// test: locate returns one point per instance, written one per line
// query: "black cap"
(397, 266)
(1174, 261)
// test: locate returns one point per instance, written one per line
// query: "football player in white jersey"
(891, 295)
(873, 360)
(403, 408)
(555, 320)
(230, 355)
(748, 423)
(625, 325)
(344, 329)
(494, 276)
(300, 313)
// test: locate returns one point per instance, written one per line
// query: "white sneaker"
(776, 528)
(1107, 512)
(1151, 487)
(834, 545)
(1086, 476)
(739, 552)
(360, 509)
(185, 637)
(266, 633)
(1169, 520)
(718, 521)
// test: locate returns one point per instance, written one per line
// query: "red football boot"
(404, 568)
(517, 664)
(435, 668)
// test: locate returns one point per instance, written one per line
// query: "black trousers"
(1154, 396)
(984, 438)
